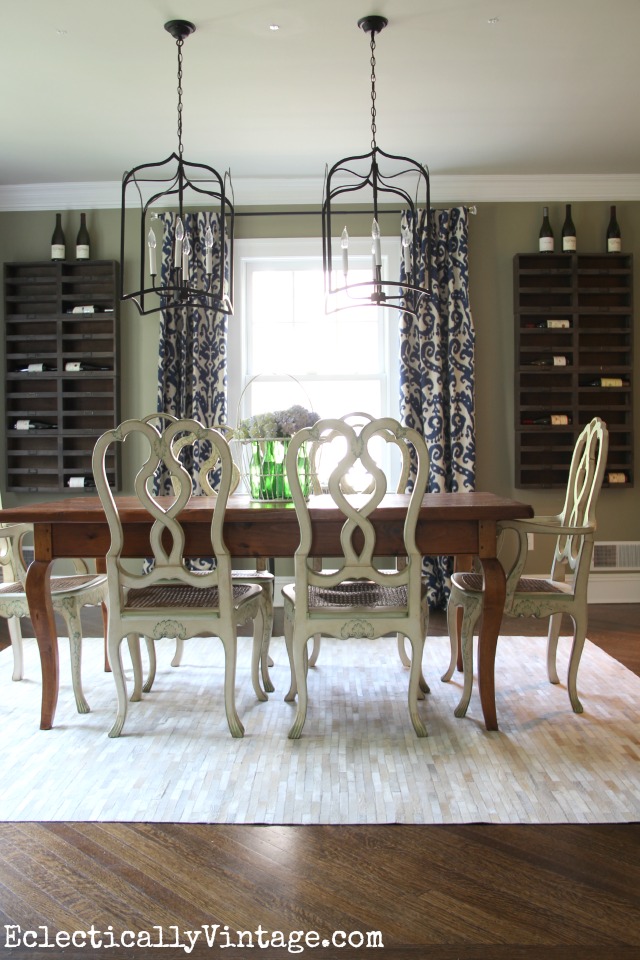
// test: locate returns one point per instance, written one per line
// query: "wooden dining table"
(459, 524)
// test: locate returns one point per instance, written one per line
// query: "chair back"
(156, 449)
(586, 474)
(358, 539)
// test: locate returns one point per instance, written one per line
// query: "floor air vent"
(623, 555)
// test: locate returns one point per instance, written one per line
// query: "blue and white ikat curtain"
(437, 360)
(192, 363)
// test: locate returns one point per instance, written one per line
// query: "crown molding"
(296, 191)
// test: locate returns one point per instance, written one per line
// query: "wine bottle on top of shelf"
(616, 476)
(36, 368)
(75, 366)
(554, 361)
(607, 382)
(568, 231)
(548, 420)
(545, 237)
(33, 425)
(82, 240)
(82, 482)
(549, 325)
(614, 240)
(58, 247)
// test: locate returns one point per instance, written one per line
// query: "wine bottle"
(36, 368)
(545, 237)
(75, 366)
(548, 419)
(88, 483)
(555, 361)
(549, 325)
(616, 476)
(33, 425)
(568, 231)
(58, 248)
(607, 382)
(614, 241)
(82, 240)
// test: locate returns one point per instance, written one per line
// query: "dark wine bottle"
(549, 325)
(87, 483)
(75, 366)
(548, 419)
(568, 231)
(82, 240)
(555, 361)
(58, 248)
(616, 476)
(33, 425)
(36, 368)
(545, 237)
(614, 240)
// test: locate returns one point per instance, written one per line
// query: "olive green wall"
(497, 232)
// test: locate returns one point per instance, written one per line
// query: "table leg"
(492, 612)
(38, 590)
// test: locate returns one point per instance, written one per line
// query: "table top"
(241, 509)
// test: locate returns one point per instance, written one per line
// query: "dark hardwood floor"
(471, 892)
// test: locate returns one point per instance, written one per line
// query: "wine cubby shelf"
(59, 316)
(573, 361)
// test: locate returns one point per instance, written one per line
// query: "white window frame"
(249, 251)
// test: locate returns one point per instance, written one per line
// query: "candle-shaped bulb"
(152, 243)
(344, 243)
(186, 250)
(179, 235)
(375, 233)
(406, 248)
(208, 243)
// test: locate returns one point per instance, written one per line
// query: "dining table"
(463, 525)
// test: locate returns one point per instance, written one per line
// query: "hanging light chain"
(179, 44)
(373, 90)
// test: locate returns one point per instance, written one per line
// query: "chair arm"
(545, 525)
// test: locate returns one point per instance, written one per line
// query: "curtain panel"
(192, 362)
(437, 361)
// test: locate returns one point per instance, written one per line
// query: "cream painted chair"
(260, 574)
(573, 529)
(169, 599)
(68, 595)
(356, 599)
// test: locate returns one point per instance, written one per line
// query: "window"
(339, 362)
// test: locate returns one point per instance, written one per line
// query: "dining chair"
(355, 599)
(259, 574)
(362, 483)
(166, 598)
(528, 596)
(68, 595)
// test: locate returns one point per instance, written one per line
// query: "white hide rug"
(358, 761)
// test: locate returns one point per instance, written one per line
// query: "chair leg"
(315, 652)
(257, 653)
(300, 664)
(555, 622)
(452, 624)
(406, 661)
(230, 653)
(115, 660)
(288, 639)
(153, 663)
(133, 641)
(177, 657)
(402, 653)
(466, 638)
(415, 676)
(71, 616)
(579, 636)
(265, 659)
(15, 635)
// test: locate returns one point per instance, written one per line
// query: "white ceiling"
(525, 88)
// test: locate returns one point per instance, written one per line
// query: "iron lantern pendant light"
(385, 176)
(177, 183)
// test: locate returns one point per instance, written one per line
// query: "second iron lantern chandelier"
(199, 271)
(385, 176)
